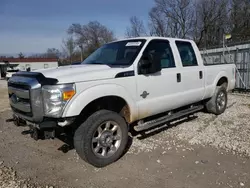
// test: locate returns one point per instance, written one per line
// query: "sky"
(32, 26)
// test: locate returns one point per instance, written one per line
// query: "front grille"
(19, 86)
(19, 96)
(25, 98)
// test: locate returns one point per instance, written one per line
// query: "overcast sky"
(32, 26)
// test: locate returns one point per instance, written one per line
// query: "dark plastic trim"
(125, 74)
(38, 76)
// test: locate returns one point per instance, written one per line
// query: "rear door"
(192, 73)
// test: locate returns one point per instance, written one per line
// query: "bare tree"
(52, 53)
(20, 55)
(158, 24)
(205, 21)
(91, 35)
(178, 14)
(136, 28)
(211, 22)
(239, 19)
(69, 47)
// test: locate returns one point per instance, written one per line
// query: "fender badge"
(144, 94)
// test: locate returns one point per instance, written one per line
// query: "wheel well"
(222, 81)
(113, 103)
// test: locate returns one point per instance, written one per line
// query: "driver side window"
(160, 49)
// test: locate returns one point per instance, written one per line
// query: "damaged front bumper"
(44, 130)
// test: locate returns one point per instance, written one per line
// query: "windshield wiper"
(98, 63)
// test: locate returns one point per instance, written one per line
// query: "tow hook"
(34, 133)
(17, 121)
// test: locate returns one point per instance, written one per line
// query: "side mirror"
(149, 64)
(145, 63)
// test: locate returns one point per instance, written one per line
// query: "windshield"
(116, 53)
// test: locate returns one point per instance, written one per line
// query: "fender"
(219, 76)
(211, 88)
(81, 100)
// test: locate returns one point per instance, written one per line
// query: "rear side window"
(187, 54)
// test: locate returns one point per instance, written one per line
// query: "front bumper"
(26, 101)
(44, 130)
(47, 124)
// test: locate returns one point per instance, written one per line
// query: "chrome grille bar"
(21, 93)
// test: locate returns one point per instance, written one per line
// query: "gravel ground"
(207, 151)
(4, 102)
(229, 131)
(8, 176)
(9, 179)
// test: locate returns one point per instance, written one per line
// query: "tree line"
(204, 21)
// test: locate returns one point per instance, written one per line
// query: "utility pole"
(223, 46)
(81, 47)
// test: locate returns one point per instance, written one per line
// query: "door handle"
(201, 74)
(178, 77)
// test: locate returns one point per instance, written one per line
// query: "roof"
(28, 60)
(152, 37)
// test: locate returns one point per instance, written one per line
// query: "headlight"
(56, 97)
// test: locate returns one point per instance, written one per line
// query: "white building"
(24, 64)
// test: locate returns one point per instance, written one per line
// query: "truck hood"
(80, 73)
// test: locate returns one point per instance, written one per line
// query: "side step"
(167, 118)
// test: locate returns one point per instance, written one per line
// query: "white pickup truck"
(134, 83)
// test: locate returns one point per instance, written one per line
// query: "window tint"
(107, 55)
(162, 49)
(187, 54)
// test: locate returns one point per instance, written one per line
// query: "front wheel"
(218, 103)
(102, 138)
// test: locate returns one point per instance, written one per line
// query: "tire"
(98, 131)
(218, 103)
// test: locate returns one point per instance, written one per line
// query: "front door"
(158, 92)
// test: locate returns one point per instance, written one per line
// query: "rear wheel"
(102, 138)
(218, 103)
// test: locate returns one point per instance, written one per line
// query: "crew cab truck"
(140, 82)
